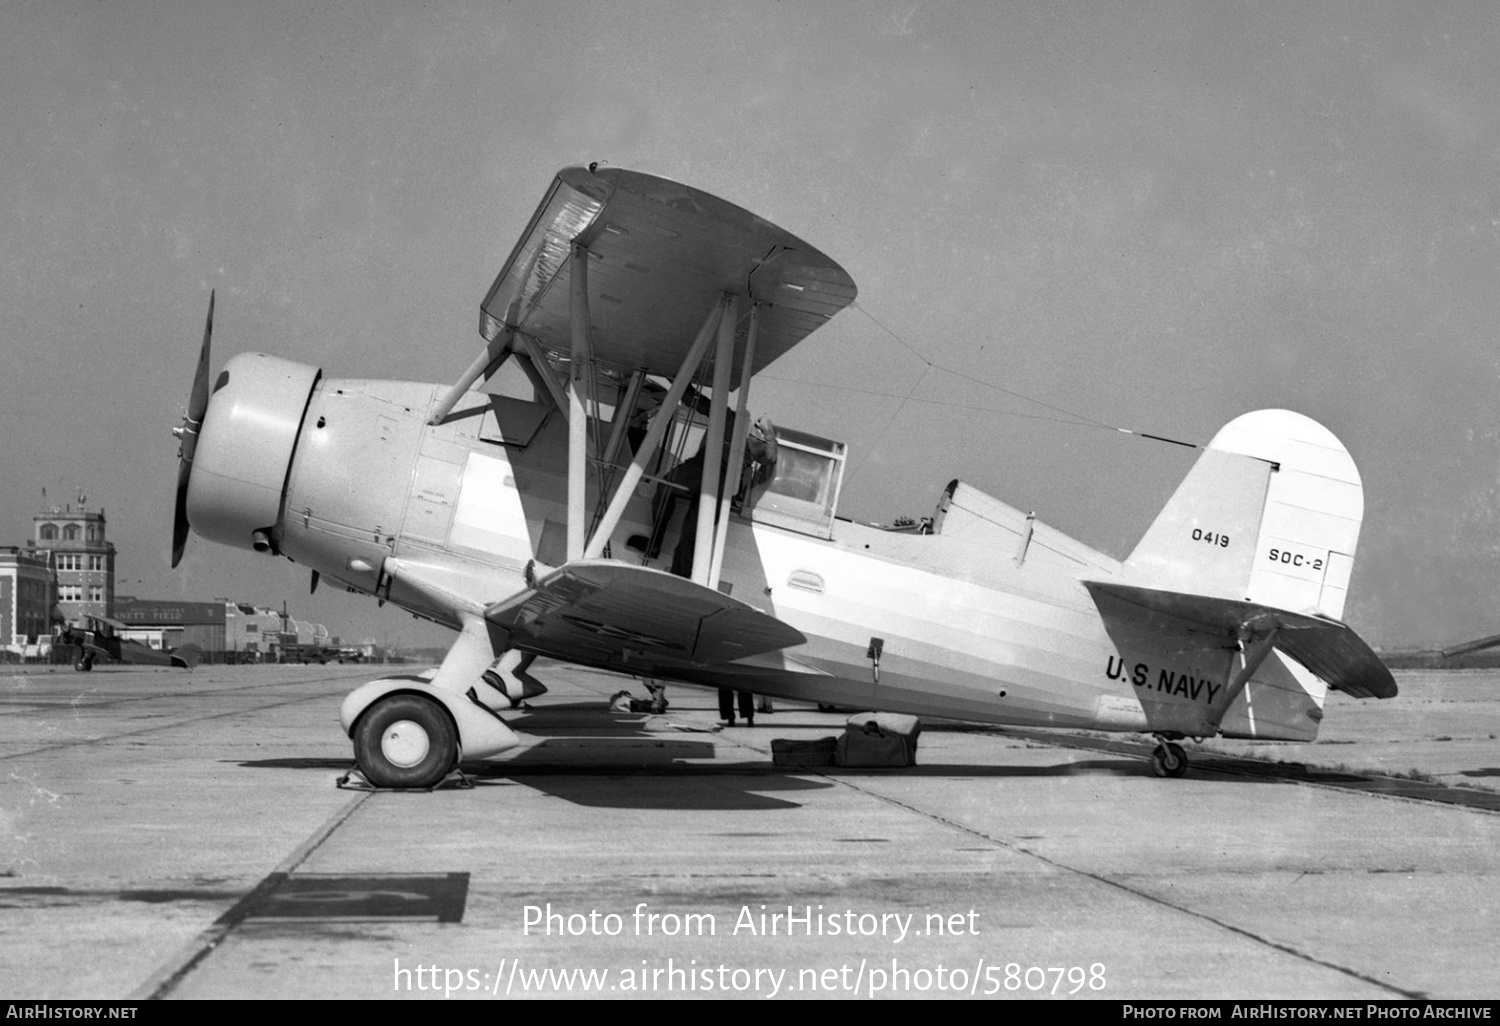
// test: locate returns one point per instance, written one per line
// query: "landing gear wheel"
(1169, 760)
(84, 665)
(405, 741)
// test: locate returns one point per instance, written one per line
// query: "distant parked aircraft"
(99, 637)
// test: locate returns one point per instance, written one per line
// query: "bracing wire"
(889, 421)
(1078, 417)
(1055, 413)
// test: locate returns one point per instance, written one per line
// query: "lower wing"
(605, 613)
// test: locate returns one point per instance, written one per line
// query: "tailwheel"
(1169, 760)
(405, 741)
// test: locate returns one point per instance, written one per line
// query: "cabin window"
(802, 494)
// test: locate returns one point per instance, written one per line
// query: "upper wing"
(1326, 647)
(660, 253)
(605, 613)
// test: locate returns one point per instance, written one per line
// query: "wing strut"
(713, 448)
(624, 410)
(654, 436)
(1251, 658)
(580, 393)
(537, 360)
(736, 448)
(486, 363)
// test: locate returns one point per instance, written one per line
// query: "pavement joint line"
(1132, 891)
(11, 704)
(1375, 785)
(1126, 748)
(1372, 784)
(105, 739)
(165, 980)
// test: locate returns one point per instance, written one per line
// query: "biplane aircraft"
(99, 637)
(512, 520)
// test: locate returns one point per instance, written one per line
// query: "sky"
(1063, 218)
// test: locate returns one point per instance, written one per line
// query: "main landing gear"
(412, 731)
(405, 740)
(1168, 759)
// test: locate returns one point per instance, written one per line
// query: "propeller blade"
(198, 401)
(180, 520)
(188, 433)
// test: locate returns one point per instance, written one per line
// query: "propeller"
(192, 420)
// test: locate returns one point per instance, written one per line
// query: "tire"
(1169, 760)
(405, 741)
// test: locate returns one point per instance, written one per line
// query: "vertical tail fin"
(1270, 514)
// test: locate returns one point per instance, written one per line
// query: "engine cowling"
(245, 447)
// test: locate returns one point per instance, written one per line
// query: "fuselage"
(985, 618)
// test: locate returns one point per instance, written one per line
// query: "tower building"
(82, 558)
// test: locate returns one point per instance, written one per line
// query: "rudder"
(1270, 514)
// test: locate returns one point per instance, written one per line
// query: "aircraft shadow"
(960, 771)
(624, 788)
(585, 758)
(302, 764)
(594, 708)
(589, 720)
(669, 784)
(678, 775)
(629, 768)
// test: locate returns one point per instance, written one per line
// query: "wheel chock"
(354, 780)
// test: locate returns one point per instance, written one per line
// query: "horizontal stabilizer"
(187, 656)
(603, 612)
(1326, 647)
(1477, 645)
